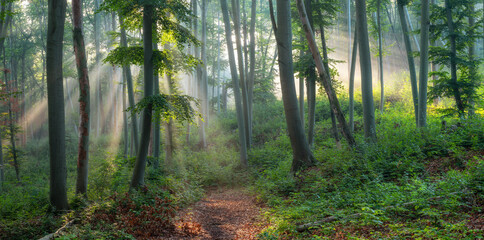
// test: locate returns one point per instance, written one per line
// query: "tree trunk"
(251, 80)
(471, 51)
(235, 82)
(424, 64)
(156, 127)
(97, 43)
(352, 83)
(84, 101)
(11, 120)
(55, 101)
(365, 65)
(169, 145)
(411, 64)
(243, 80)
(333, 100)
(311, 85)
(380, 56)
(125, 119)
(203, 87)
(453, 58)
(140, 165)
(129, 82)
(301, 90)
(326, 65)
(302, 155)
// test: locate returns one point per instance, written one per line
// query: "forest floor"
(222, 214)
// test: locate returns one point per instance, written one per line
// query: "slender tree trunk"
(55, 101)
(302, 155)
(169, 145)
(424, 64)
(156, 130)
(203, 87)
(311, 85)
(129, 85)
(333, 100)
(251, 80)
(84, 103)
(11, 120)
(140, 165)
(97, 43)
(380, 56)
(352, 83)
(472, 68)
(311, 98)
(235, 82)
(243, 80)
(365, 65)
(301, 89)
(411, 64)
(125, 119)
(453, 58)
(411, 28)
(326, 65)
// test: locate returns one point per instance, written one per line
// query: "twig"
(51, 236)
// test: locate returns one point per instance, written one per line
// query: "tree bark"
(453, 58)
(204, 80)
(311, 85)
(424, 64)
(365, 65)
(235, 82)
(140, 165)
(411, 64)
(243, 80)
(129, 85)
(243, 77)
(84, 101)
(352, 83)
(156, 127)
(302, 155)
(380, 56)
(55, 102)
(251, 80)
(97, 43)
(326, 65)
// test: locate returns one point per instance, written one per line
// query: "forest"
(241, 119)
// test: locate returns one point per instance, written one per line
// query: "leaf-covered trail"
(222, 214)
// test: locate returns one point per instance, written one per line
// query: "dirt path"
(222, 214)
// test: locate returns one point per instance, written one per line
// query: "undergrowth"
(411, 184)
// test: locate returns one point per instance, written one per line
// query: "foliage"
(165, 61)
(468, 79)
(168, 107)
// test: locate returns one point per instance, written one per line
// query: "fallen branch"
(304, 227)
(51, 236)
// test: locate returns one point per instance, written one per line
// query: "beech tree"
(424, 64)
(302, 155)
(408, 46)
(235, 84)
(55, 102)
(84, 102)
(365, 67)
